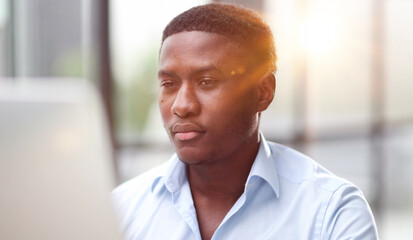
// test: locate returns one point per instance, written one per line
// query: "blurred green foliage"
(69, 64)
(135, 97)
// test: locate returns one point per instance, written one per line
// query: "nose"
(186, 102)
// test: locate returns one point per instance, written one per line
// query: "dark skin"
(210, 102)
(215, 189)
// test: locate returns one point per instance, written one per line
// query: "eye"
(207, 82)
(168, 84)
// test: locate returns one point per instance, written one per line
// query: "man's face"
(207, 100)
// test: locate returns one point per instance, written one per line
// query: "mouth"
(187, 131)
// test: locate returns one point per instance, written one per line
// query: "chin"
(192, 156)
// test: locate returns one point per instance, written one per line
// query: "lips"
(187, 131)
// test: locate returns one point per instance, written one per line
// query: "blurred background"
(344, 81)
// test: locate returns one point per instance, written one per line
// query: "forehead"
(197, 49)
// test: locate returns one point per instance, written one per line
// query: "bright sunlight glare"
(318, 34)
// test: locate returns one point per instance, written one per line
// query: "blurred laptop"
(56, 170)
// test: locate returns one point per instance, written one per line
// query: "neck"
(224, 178)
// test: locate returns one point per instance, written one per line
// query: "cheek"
(229, 113)
(237, 113)
(164, 108)
(232, 103)
(161, 102)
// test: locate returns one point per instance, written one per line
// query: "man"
(216, 76)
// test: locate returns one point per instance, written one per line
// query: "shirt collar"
(263, 167)
(172, 177)
(176, 175)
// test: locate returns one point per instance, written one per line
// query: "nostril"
(186, 102)
(182, 107)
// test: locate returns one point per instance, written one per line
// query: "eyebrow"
(166, 73)
(210, 68)
(200, 70)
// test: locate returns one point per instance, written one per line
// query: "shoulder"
(342, 209)
(141, 181)
(137, 190)
(348, 216)
(297, 168)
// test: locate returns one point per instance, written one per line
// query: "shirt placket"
(184, 205)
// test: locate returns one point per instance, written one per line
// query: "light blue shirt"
(287, 196)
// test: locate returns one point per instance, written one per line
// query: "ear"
(266, 88)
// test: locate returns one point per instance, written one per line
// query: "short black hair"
(238, 23)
